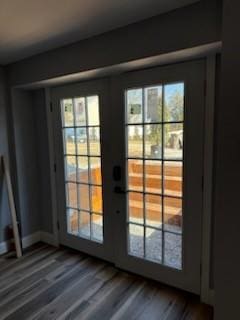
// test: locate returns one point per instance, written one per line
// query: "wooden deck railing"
(172, 183)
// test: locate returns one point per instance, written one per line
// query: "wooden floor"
(49, 283)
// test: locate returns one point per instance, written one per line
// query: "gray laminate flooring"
(49, 283)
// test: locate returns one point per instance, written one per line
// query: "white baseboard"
(4, 246)
(48, 238)
(30, 240)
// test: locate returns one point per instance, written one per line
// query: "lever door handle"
(119, 190)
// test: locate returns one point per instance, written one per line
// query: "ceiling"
(29, 27)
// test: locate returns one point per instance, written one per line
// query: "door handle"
(119, 190)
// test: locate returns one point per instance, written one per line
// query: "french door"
(83, 158)
(130, 163)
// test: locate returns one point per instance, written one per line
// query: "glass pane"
(173, 178)
(134, 106)
(83, 194)
(81, 140)
(83, 169)
(136, 243)
(97, 227)
(173, 250)
(70, 168)
(153, 176)
(173, 102)
(153, 104)
(173, 141)
(67, 113)
(153, 210)
(135, 207)
(69, 141)
(93, 111)
(135, 141)
(84, 224)
(154, 244)
(96, 195)
(153, 141)
(71, 192)
(94, 141)
(72, 221)
(95, 171)
(80, 112)
(135, 175)
(173, 214)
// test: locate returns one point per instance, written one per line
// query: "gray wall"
(32, 160)
(4, 208)
(187, 27)
(26, 161)
(227, 209)
(40, 120)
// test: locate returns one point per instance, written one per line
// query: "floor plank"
(19, 293)
(9, 259)
(63, 284)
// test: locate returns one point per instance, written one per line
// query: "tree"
(174, 108)
(173, 111)
(155, 135)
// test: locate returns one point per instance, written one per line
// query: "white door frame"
(207, 294)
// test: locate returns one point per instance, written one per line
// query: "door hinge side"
(51, 107)
(55, 167)
(58, 225)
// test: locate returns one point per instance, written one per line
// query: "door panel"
(163, 134)
(81, 135)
